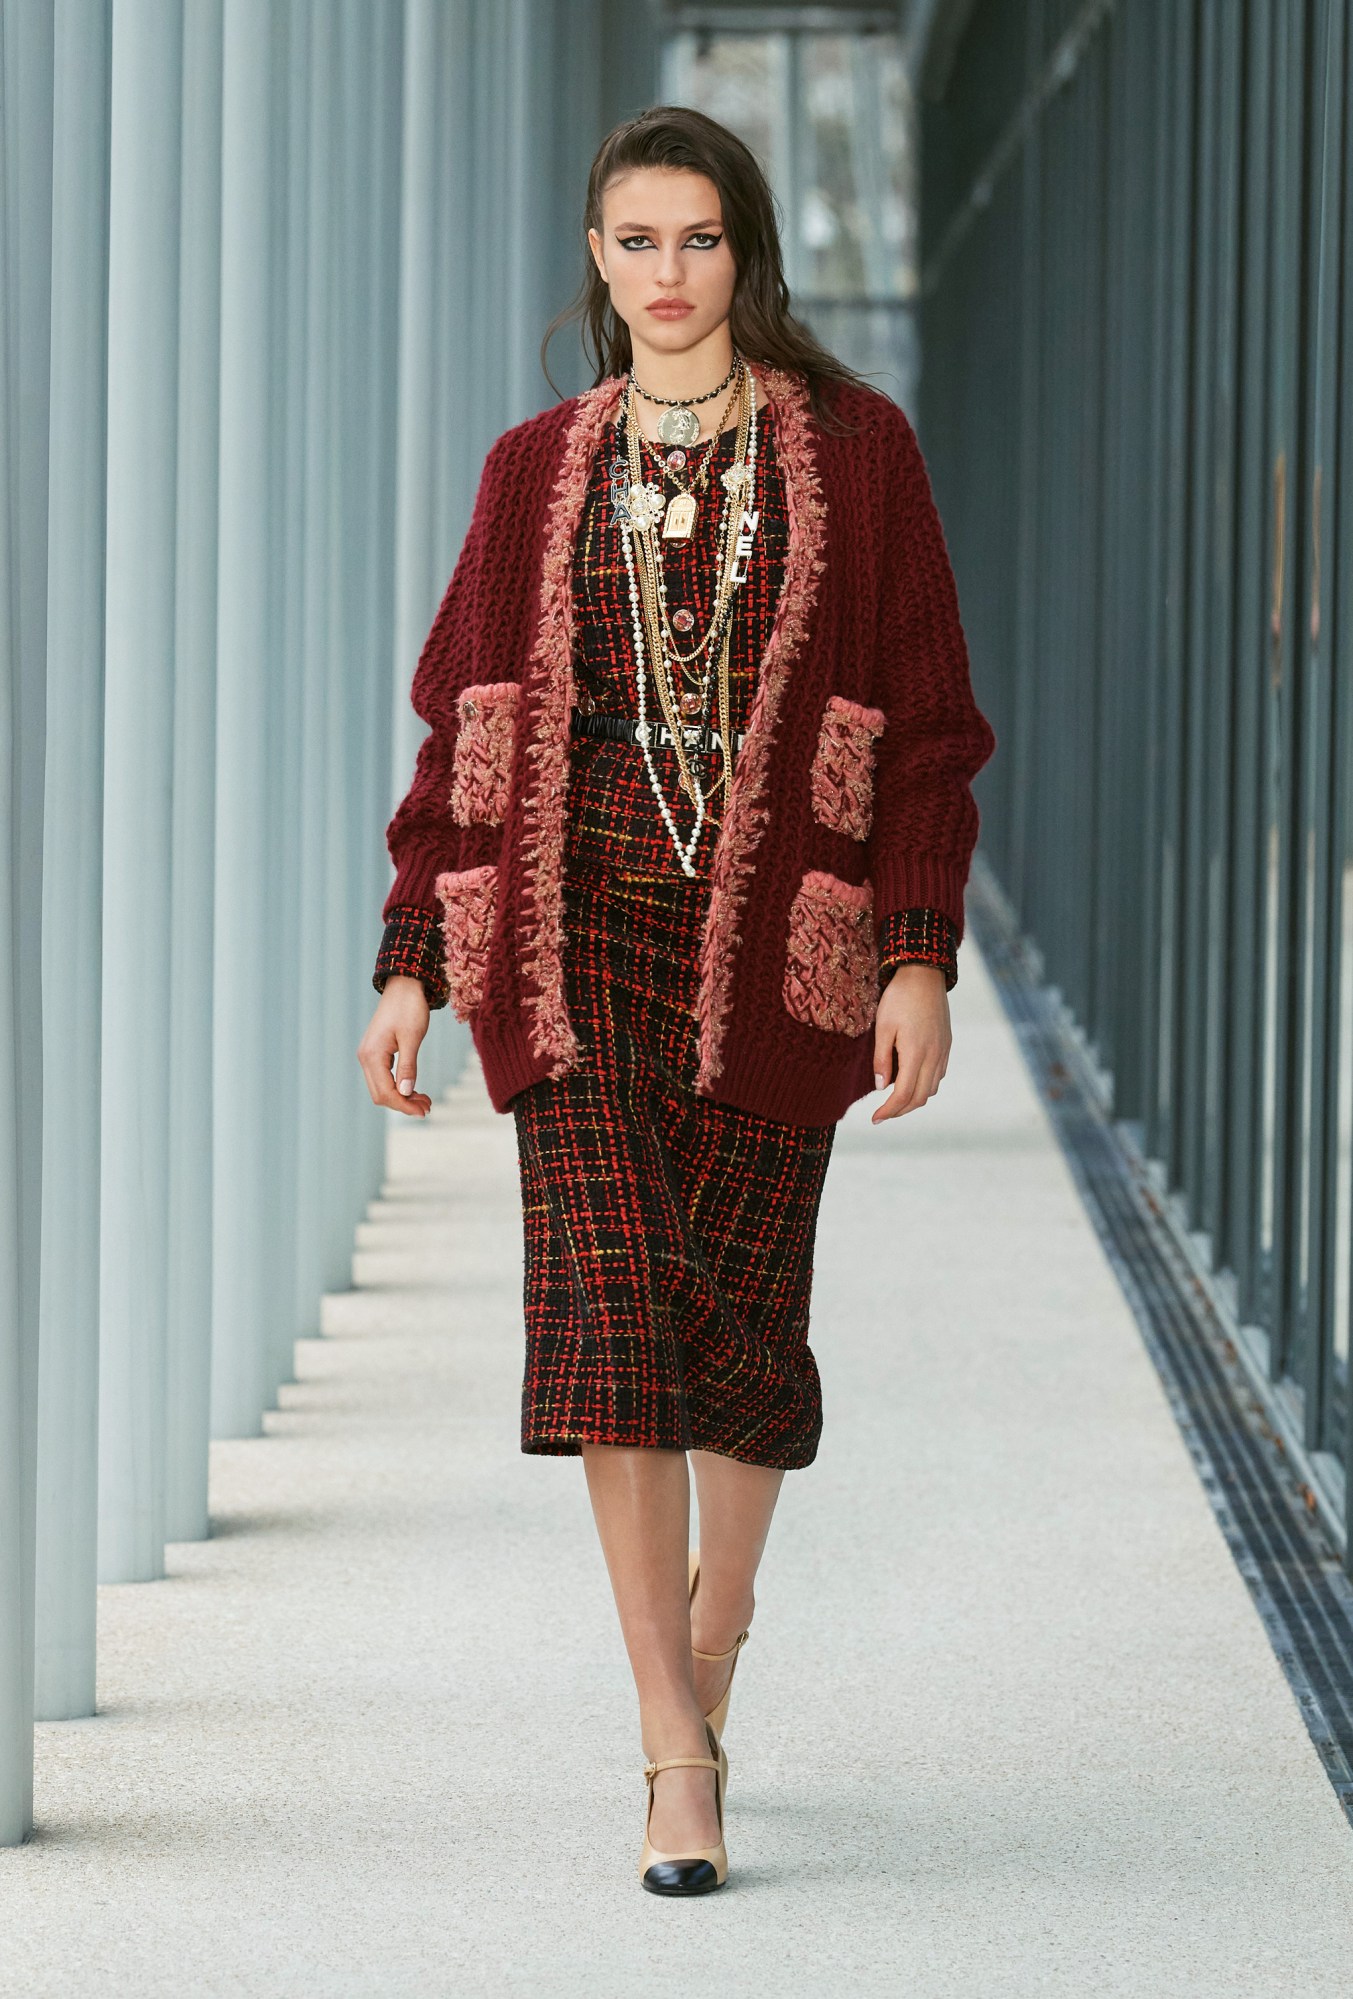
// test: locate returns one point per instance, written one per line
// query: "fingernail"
(406, 1088)
(878, 1080)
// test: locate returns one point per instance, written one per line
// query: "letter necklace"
(655, 647)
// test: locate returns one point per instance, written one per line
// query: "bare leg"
(641, 1501)
(736, 1505)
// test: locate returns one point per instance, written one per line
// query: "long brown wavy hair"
(760, 321)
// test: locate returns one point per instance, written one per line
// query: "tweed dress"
(668, 1238)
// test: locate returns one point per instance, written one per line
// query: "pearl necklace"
(684, 849)
(739, 485)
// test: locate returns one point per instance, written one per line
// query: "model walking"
(686, 844)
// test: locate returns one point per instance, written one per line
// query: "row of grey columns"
(272, 276)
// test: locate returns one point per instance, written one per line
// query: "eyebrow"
(647, 228)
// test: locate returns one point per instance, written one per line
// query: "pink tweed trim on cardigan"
(748, 814)
(550, 679)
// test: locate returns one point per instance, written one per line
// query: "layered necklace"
(684, 681)
(678, 424)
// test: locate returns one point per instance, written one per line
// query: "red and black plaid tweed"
(669, 1239)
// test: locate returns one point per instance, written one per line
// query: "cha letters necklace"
(678, 424)
(654, 645)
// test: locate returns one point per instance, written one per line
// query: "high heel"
(718, 1714)
(704, 1869)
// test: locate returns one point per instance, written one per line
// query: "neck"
(694, 372)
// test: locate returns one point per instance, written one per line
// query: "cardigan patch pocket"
(481, 763)
(831, 969)
(842, 776)
(469, 898)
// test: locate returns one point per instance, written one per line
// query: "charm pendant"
(679, 518)
(644, 506)
(679, 426)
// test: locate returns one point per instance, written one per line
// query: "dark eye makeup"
(701, 239)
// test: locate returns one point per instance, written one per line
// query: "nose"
(670, 270)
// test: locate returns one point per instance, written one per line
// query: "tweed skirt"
(668, 1239)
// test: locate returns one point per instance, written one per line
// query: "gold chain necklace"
(643, 509)
(678, 424)
(679, 520)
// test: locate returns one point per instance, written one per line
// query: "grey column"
(342, 823)
(360, 730)
(416, 445)
(246, 1053)
(291, 212)
(455, 466)
(142, 459)
(315, 1052)
(18, 1341)
(72, 866)
(25, 349)
(426, 206)
(377, 360)
(192, 888)
(416, 556)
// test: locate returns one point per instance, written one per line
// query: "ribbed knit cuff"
(918, 936)
(412, 947)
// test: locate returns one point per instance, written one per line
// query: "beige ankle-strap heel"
(705, 1868)
(718, 1714)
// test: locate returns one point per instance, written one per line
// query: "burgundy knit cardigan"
(851, 794)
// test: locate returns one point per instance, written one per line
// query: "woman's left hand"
(912, 1025)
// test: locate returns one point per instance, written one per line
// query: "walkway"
(1008, 1724)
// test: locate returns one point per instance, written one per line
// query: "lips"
(670, 308)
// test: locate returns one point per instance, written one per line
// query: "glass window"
(830, 118)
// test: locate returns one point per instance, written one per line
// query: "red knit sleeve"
(936, 739)
(422, 837)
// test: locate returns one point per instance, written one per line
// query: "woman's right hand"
(388, 1051)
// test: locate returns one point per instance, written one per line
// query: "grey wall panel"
(1166, 665)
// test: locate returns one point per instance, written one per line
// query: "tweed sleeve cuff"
(918, 936)
(412, 947)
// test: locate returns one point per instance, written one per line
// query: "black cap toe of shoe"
(681, 1877)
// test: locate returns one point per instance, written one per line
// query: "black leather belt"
(624, 729)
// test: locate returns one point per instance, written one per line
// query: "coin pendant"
(678, 426)
(679, 518)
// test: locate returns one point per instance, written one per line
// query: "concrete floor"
(1007, 1724)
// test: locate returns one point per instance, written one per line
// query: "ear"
(594, 245)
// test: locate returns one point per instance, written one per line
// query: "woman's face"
(663, 252)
